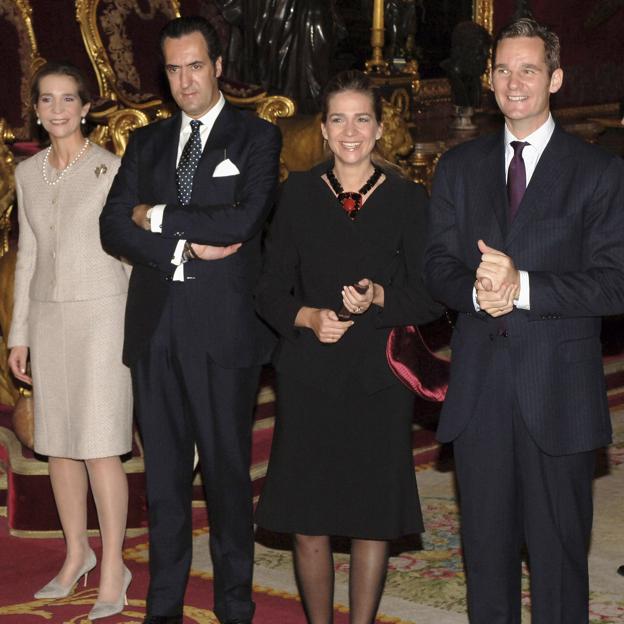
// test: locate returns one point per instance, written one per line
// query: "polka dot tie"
(188, 163)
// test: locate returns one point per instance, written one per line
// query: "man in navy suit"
(190, 190)
(526, 242)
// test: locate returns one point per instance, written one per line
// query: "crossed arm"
(215, 230)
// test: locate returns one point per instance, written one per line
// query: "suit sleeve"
(24, 270)
(120, 236)
(224, 224)
(597, 289)
(276, 302)
(447, 277)
(408, 302)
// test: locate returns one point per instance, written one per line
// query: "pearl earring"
(83, 121)
(38, 121)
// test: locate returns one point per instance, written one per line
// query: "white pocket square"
(225, 168)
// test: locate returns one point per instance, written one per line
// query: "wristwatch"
(188, 253)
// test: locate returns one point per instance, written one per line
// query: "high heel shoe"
(104, 609)
(55, 590)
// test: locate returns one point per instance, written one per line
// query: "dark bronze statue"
(401, 23)
(470, 47)
(284, 45)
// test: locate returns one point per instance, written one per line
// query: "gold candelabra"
(377, 64)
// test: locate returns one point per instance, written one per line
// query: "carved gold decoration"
(396, 140)
(18, 13)
(275, 107)
(400, 99)
(8, 392)
(7, 195)
(122, 123)
(483, 13)
(236, 96)
(422, 162)
(115, 132)
(101, 135)
(114, 63)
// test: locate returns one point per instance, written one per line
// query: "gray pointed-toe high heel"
(104, 609)
(55, 590)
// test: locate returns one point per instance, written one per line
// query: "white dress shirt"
(537, 142)
(157, 212)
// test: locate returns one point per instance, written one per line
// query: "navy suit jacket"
(569, 235)
(222, 210)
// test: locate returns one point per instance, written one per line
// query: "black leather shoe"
(620, 570)
(163, 619)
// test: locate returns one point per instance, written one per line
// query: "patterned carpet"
(425, 584)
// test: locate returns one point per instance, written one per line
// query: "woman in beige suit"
(68, 313)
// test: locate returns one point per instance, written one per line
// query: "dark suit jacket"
(569, 235)
(223, 210)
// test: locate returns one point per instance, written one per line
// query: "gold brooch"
(101, 169)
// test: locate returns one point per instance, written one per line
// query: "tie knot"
(195, 123)
(518, 146)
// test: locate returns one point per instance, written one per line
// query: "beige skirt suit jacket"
(68, 309)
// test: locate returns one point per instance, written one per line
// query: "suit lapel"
(550, 168)
(165, 161)
(216, 146)
(492, 173)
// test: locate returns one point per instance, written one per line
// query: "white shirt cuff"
(156, 218)
(477, 307)
(523, 302)
(177, 253)
(178, 274)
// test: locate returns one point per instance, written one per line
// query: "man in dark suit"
(526, 242)
(190, 189)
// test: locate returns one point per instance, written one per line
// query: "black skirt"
(341, 465)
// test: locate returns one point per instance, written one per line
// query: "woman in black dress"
(341, 462)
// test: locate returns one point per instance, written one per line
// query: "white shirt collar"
(207, 119)
(538, 138)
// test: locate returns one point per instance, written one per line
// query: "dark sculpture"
(470, 47)
(284, 45)
(401, 22)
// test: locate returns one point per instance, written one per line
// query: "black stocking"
(367, 576)
(314, 568)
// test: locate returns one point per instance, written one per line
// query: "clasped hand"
(325, 323)
(203, 252)
(498, 281)
(355, 302)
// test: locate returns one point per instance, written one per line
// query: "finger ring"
(358, 309)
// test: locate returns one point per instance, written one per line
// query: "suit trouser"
(182, 398)
(512, 494)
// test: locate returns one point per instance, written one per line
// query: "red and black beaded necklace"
(349, 201)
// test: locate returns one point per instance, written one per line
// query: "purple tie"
(516, 179)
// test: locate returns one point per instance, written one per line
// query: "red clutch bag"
(423, 372)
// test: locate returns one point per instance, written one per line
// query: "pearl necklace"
(71, 164)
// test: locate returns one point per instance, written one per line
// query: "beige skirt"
(82, 391)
